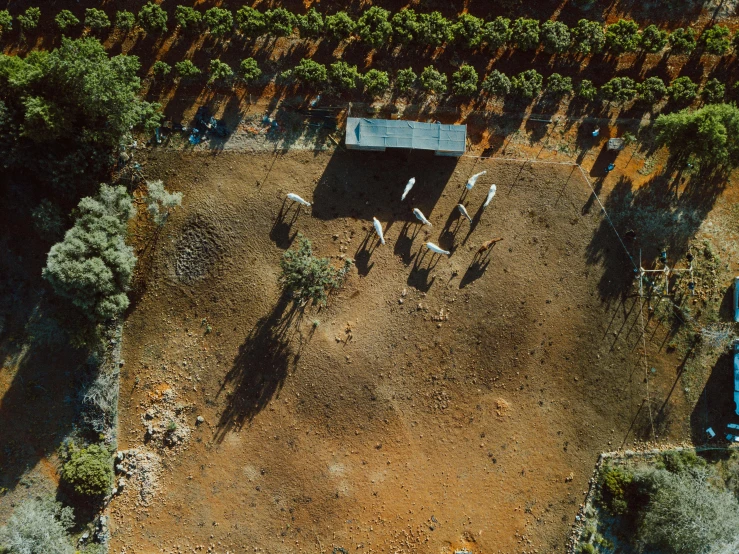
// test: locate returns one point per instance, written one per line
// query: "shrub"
(307, 278)
(678, 462)
(464, 81)
(343, 76)
(405, 26)
(622, 36)
(250, 22)
(92, 266)
(587, 90)
(527, 84)
(124, 20)
(160, 202)
(189, 19)
(405, 80)
(311, 24)
(682, 40)
(496, 83)
(713, 91)
(280, 22)
(161, 69)
(587, 548)
(186, 68)
(558, 86)
(152, 18)
(6, 22)
(310, 73)
(467, 30)
(683, 90)
(89, 470)
(29, 19)
(219, 21)
(219, 71)
(495, 34)
(615, 483)
(588, 36)
(651, 90)
(38, 526)
(434, 29)
(653, 39)
(48, 220)
(716, 40)
(249, 70)
(619, 90)
(96, 20)
(376, 82)
(374, 26)
(525, 33)
(433, 81)
(340, 25)
(555, 36)
(66, 20)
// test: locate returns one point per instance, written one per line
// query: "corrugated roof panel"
(389, 133)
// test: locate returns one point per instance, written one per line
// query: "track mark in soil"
(197, 252)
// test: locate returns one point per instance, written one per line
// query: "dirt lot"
(433, 405)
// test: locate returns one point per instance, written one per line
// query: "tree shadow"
(715, 407)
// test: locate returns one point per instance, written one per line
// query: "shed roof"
(388, 133)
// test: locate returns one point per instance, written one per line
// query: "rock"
(400, 300)
(149, 414)
(121, 483)
(200, 419)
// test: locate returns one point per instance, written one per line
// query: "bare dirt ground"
(434, 404)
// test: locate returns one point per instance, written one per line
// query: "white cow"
(463, 211)
(296, 198)
(408, 187)
(472, 180)
(491, 193)
(437, 250)
(422, 218)
(378, 229)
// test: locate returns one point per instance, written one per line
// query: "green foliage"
(619, 90)
(622, 36)
(374, 26)
(556, 37)
(310, 73)
(160, 202)
(219, 21)
(653, 39)
(96, 20)
(92, 266)
(615, 484)
(713, 91)
(710, 134)
(682, 40)
(38, 526)
(125, 20)
(716, 40)
(588, 37)
(433, 81)
(651, 90)
(558, 86)
(66, 20)
(280, 22)
(467, 30)
(250, 22)
(189, 19)
(586, 90)
(186, 68)
(48, 220)
(496, 84)
(679, 462)
(376, 82)
(434, 29)
(29, 19)
(249, 70)
(311, 24)
(525, 33)
(527, 84)
(405, 26)
(6, 21)
(219, 71)
(683, 90)
(587, 548)
(340, 25)
(308, 278)
(405, 80)
(152, 18)
(89, 470)
(496, 34)
(464, 81)
(161, 69)
(343, 76)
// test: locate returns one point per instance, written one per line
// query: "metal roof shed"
(380, 134)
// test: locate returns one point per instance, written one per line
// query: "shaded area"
(715, 407)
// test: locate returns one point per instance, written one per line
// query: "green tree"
(496, 84)
(556, 37)
(219, 21)
(405, 26)
(89, 470)
(152, 18)
(161, 69)
(716, 40)
(651, 90)
(125, 20)
(280, 22)
(619, 90)
(29, 19)
(525, 33)
(96, 20)
(250, 22)
(713, 91)
(6, 22)
(653, 39)
(558, 86)
(66, 20)
(376, 82)
(433, 81)
(92, 266)
(616, 485)
(405, 80)
(249, 70)
(189, 19)
(340, 25)
(344, 77)
(527, 84)
(683, 90)
(588, 36)
(374, 26)
(622, 36)
(307, 278)
(38, 526)
(467, 30)
(496, 34)
(464, 81)
(186, 69)
(586, 90)
(311, 24)
(219, 71)
(160, 202)
(682, 40)
(434, 29)
(310, 73)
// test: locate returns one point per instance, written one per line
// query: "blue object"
(736, 376)
(596, 132)
(195, 137)
(610, 166)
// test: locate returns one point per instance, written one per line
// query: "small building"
(615, 144)
(379, 134)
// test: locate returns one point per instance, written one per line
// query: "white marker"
(408, 188)
(472, 180)
(435, 249)
(491, 193)
(463, 211)
(296, 198)
(421, 217)
(378, 229)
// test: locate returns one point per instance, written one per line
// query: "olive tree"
(29, 19)
(96, 20)
(586, 90)
(653, 39)
(161, 68)
(496, 33)
(588, 37)
(188, 19)
(467, 30)
(376, 82)
(340, 25)
(310, 73)
(556, 37)
(651, 90)
(525, 33)
(249, 70)
(89, 470)
(280, 22)
(218, 21)
(186, 68)
(464, 81)
(125, 20)
(311, 24)
(619, 90)
(160, 202)
(682, 40)
(152, 18)
(558, 85)
(250, 22)
(405, 80)
(527, 84)
(434, 29)
(343, 77)
(683, 90)
(65, 20)
(622, 36)
(219, 71)
(496, 84)
(6, 22)
(716, 40)
(405, 26)
(433, 81)
(374, 26)
(713, 91)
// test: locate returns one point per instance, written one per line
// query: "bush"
(96, 20)
(713, 92)
(250, 22)
(651, 90)
(125, 20)
(152, 18)
(6, 22)
(682, 40)
(160, 202)
(619, 90)
(464, 81)
(66, 20)
(160, 68)
(495, 34)
(38, 526)
(586, 90)
(467, 30)
(496, 84)
(374, 26)
(527, 84)
(683, 90)
(311, 24)
(525, 33)
(48, 220)
(434, 29)
(219, 21)
(622, 36)
(29, 19)
(89, 470)
(343, 76)
(653, 39)
(340, 25)
(678, 462)
(186, 68)
(307, 278)
(555, 36)
(376, 82)
(249, 70)
(588, 36)
(189, 19)
(433, 81)
(280, 22)
(405, 80)
(219, 71)
(716, 40)
(310, 73)
(615, 484)
(405, 26)
(559, 86)
(92, 266)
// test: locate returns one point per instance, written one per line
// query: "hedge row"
(378, 27)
